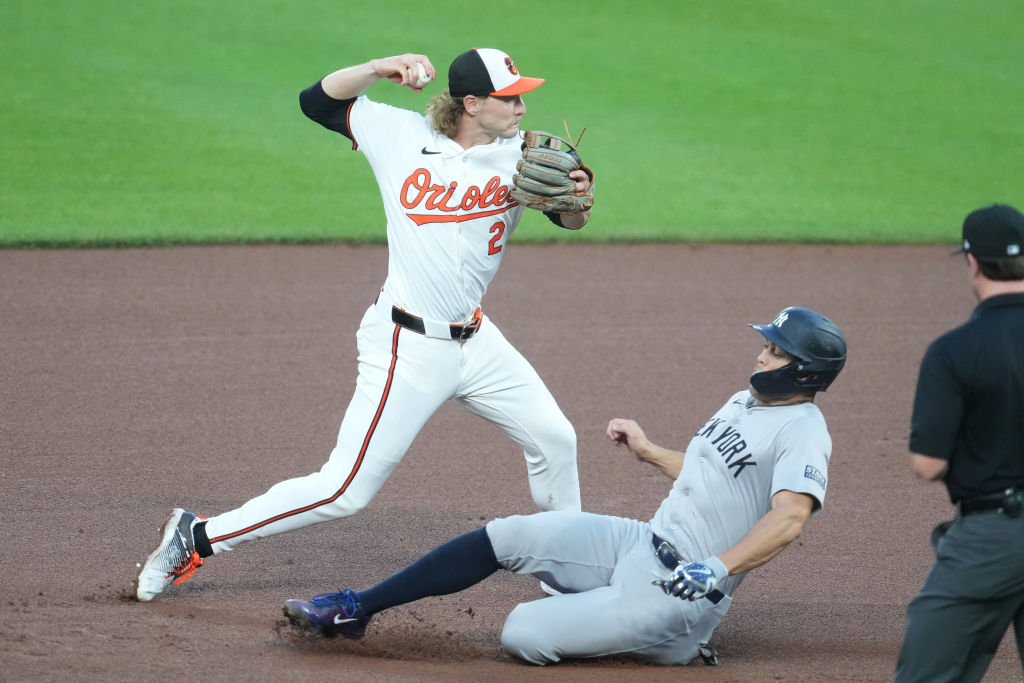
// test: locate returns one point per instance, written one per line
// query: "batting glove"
(697, 579)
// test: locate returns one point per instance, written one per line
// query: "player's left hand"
(584, 182)
(695, 580)
(551, 177)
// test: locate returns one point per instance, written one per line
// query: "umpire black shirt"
(969, 404)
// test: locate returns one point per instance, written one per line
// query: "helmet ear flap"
(779, 382)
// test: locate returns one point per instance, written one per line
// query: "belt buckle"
(464, 332)
(667, 553)
(1013, 503)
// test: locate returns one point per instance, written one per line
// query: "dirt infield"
(135, 381)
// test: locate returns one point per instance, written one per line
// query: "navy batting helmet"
(815, 342)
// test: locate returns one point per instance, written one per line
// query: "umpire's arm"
(927, 467)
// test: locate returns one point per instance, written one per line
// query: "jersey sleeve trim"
(330, 113)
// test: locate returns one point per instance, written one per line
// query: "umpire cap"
(995, 231)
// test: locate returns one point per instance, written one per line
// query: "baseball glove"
(543, 181)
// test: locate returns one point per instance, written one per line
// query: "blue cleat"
(329, 615)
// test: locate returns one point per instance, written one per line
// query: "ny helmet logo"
(780, 319)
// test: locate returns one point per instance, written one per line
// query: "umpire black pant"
(974, 591)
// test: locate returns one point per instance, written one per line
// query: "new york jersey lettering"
(730, 444)
(709, 427)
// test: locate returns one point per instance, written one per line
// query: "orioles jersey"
(448, 209)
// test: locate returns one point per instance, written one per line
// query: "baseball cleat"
(329, 614)
(175, 559)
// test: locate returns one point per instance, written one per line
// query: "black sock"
(450, 567)
(202, 541)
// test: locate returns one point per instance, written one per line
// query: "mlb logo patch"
(815, 474)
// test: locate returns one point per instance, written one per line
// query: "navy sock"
(450, 567)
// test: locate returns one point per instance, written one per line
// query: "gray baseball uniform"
(734, 465)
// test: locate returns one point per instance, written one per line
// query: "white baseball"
(421, 78)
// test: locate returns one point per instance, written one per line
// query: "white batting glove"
(697, 579)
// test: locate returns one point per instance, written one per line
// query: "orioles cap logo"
(511, 66)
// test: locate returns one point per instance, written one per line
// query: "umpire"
(967, 429)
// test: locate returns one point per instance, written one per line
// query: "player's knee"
(566, 436)
(559, 443)
(351, 499)
(560, 456)
(348, 503)
(520, 638)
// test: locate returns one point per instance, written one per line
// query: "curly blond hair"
(445, 113)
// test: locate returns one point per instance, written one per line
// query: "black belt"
(671, 558)
(1008, 502)
(415, 323)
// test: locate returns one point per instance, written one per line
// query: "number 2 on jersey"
(498, 229)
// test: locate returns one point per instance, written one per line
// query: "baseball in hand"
(422, 78)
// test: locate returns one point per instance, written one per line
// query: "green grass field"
(753, 120)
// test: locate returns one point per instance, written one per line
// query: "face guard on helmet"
(815, 342)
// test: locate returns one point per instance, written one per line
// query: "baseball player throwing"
(445, 181)
(750, 479)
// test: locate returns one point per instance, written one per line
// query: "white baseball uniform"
(733, 466)
(449, 218)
